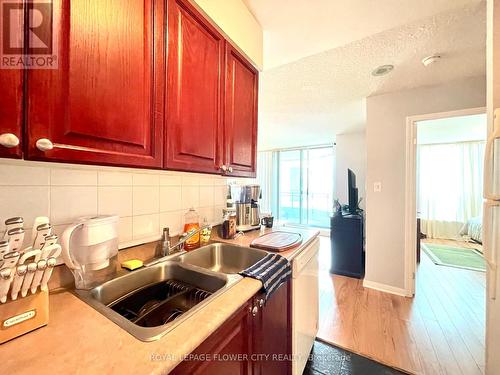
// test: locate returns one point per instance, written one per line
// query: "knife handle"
(40, 268)
(18, 280)
(51, 263)
(5, 280)
(28, 278)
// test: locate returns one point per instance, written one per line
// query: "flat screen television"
(353, 192)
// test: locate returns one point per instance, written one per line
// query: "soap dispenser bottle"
(192, 222)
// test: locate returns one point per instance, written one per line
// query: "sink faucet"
(167, 250)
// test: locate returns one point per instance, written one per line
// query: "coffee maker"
(245, 199)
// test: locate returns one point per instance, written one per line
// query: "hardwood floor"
(440, 331)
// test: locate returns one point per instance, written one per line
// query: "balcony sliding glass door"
(305, 186)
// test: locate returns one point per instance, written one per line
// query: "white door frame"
(411, 189)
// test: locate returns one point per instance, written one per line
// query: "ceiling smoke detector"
(430, 59)
(382, 70)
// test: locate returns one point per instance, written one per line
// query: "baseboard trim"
(386, 288)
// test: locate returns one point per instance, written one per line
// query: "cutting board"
(277, 241)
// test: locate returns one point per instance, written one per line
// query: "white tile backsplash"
(206, 213)
(190, 180)
(106, 178)
(206, 181)
(190, 197)
(125, 229)
(24, 175)
(73, 177)
(146, 201)
(217, 218)
(220, 181)
(145, 226)
(70, 202)
(206, 196)
(145, 179)
(170, 198)
(171, 180)
(26, 201)
(115, 200)
(173, 220)
(220, 195)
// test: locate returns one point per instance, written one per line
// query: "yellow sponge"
(132, 264)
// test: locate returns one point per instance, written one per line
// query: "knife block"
(23, 315)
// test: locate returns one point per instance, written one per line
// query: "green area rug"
(458, 257)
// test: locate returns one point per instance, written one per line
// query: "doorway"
(445, 266)
(445, 153)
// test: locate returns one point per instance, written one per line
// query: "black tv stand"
(347, 240)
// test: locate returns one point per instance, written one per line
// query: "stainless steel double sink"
(151, 301)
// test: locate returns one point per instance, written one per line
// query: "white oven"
(305, 305)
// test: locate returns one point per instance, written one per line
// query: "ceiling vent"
(382, 70)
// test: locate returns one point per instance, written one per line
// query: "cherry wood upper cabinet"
(240, 115)
(194, 91)
(105, 102)
(11, 109)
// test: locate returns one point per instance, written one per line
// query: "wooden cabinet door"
(11, 109)
(240, 114)
(219, 353)
(11, 102)
(272, 339)
(104, 103)
(194, 91)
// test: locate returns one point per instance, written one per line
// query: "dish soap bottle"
(192, 222)
(205, 233)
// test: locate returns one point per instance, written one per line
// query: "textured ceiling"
(296, 28)
(313, 99)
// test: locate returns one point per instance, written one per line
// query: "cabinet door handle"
(230, 169)
(44, 144)
(223, 168)
(261, 302)
(9, 140)
(255, 310)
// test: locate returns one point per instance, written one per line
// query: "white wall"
(350, 152)
(145, 200)
(385, 141)
(234, 18)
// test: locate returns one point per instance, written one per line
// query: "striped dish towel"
(272, 270)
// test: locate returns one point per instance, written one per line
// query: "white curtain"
(265, 179)
(449, 186)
